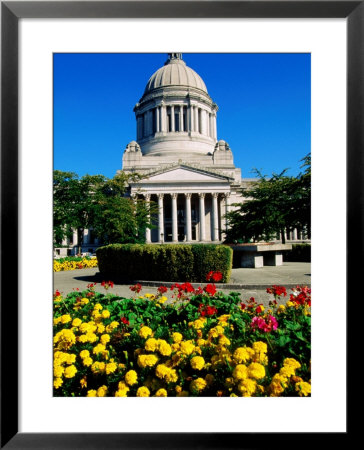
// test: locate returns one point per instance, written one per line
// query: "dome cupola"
(176, 116)
(175, 72)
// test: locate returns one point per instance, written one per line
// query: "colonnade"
(176, 118)
(199, 219)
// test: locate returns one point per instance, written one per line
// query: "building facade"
(185, 169)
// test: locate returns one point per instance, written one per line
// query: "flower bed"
(73, 263)
(202, 343)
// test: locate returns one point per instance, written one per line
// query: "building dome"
(175, 72)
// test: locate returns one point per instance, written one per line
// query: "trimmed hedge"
(299, 253)
(164, 262)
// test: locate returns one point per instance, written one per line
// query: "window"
(169, 122)
(199, 121)
(184, 119)
(176, 118)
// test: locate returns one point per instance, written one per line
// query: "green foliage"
(271, 205)
(166, 262)
(100, 203)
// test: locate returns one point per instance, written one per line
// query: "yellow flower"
(240, 372)
(256, 371)
(70, 371)
(147, 360)
(151, 345)
(83, 382)
(91, 393)
(66, 318)
(161, 393)
(84, 354)
(303, 388)
(223, 340)
(292, 363)
(102, 391)
(144, 332)
(131, 377)
(121, 393)
(65, 339)
(84, 301)
(260, 347)
(97, 307)
(197, 324)
(277, 385)
(197, 363)
(99, 348)
(76, 322)
(243, 354)
(98, 367)
(105, 314)
(171, 376)
(57, 382)
(164, 348)
(198, 385)
(187, 347)
(143, 391)
(100, 328)
(162, 370)
(177, 337)
(162, 300)
(287, 371)
(104, 339)
(247, 387)
(58, 371)
(110, 367)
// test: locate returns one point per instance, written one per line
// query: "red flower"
(124, 320)
(259, 309)
(57, 293)
(242, 305)
(136, 288)
(162, 289)
(214, 276)
(107, 284)
(210, 289)
(277, 291)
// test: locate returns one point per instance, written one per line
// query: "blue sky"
(264, 105)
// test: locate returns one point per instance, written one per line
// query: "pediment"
(184, 174)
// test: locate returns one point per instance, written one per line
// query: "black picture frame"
(11, 13)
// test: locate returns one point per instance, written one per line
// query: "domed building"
(185, 168)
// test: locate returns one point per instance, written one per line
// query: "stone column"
(202, 217)
(147, 231)
(157, 112)
(227, 207)
(188, 218)
(163, 118)
(75, 237)
(214, 126)
(203, 122)
(294, 234)
(172, 118)
(85, 236)
(160, 218)
(215, 223)
(174, 218)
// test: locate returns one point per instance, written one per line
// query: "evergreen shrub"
(164, 262)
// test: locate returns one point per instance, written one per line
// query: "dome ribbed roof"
(175, 72)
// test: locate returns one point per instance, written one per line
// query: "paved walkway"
(249, 282)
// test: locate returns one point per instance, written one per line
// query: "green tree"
(94, 201)
(74, 203)
(271, 205)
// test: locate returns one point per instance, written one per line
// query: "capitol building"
(185, 169)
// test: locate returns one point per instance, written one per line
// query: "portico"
(193, 207)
